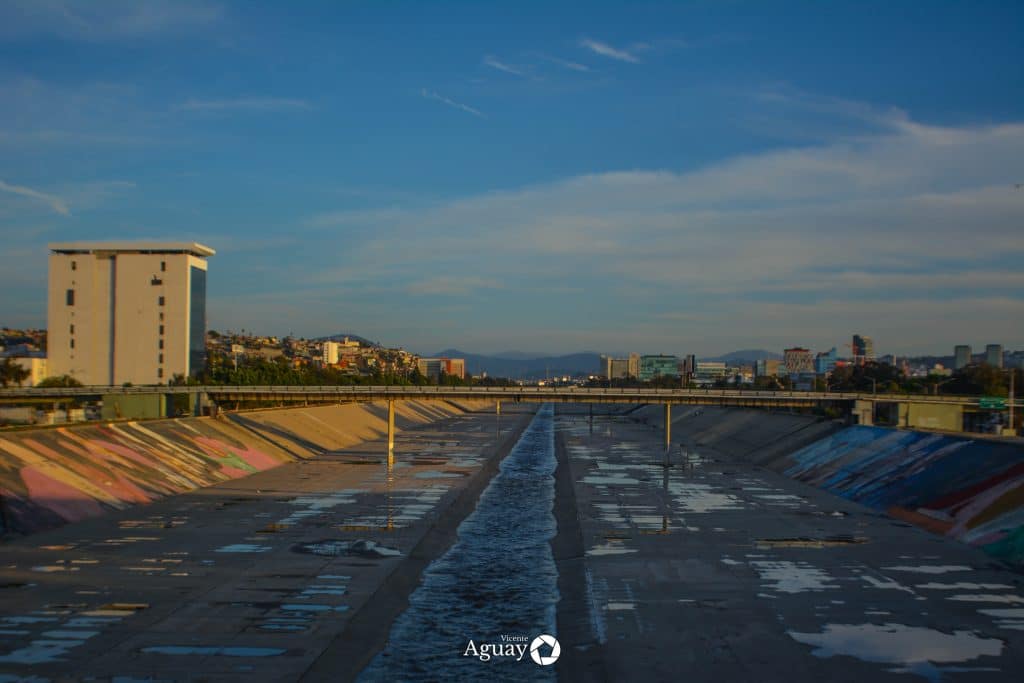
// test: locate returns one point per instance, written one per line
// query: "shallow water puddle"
(989, 597)
(803, 542)
(793, 577)
(318, 504)
(963, 586)
(61, 638)
(696, 497)
(243, 548)
(885, 583)
(336, 547)
(912, 649)
(221, 651)
(930, 568)
(437, 474)
(610, 548)
(1012, 618)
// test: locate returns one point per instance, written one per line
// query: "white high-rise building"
(330, 356)
(127, 311)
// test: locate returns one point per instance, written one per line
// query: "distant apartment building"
(34, 362)
(767, 368)
(658, 366)
(709, 372)
(825, 362)
(994, 355)
(330, 353)
(961, 356)
(455, 367)
(621, 368)
(435, 368)
(862, 349)
(127, 311)
(798, 361)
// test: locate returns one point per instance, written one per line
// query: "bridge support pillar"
(668, 426)
(391, 434)
(864, 412)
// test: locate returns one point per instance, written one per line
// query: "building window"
(160, 301)
(160, 372)
(72, 342)
(161, 316)
(74, 266)
(161, 329)
(70, 297)
(156, 281)
(72, 329)
(161, 359)
(163, 266)
(161, 343)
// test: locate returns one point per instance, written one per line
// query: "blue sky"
(658, 177)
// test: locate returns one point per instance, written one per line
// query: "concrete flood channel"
(645, 565)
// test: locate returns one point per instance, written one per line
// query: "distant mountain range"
(524, 365)
(745, 357)
(537, 365)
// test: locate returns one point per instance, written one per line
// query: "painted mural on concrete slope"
(51, 477)
(970, 490)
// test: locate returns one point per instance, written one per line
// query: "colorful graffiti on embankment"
(971, 490)
(49, 477)
(54, 476)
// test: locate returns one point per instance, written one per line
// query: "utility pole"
(1013, 373)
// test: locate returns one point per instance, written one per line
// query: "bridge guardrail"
(639, 394)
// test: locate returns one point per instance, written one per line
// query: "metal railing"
(633, 394)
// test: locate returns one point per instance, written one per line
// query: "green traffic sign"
(992, 402)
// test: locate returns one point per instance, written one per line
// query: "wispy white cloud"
(245, 103)
(450, 285)
(431, 95)
(606, 50)
(502, 66)
(573, 66)
(93, 21)
(56, 203)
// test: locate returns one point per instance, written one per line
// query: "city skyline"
(661, 177)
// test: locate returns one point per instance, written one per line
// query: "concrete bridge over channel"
(911, 411)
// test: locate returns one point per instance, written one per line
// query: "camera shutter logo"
(550, 641)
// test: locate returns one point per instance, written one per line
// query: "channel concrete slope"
(969, 489)
(49, 477)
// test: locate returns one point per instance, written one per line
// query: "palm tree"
(12, 373)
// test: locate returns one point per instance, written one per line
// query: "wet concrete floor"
(717, 570)
(255, 579)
